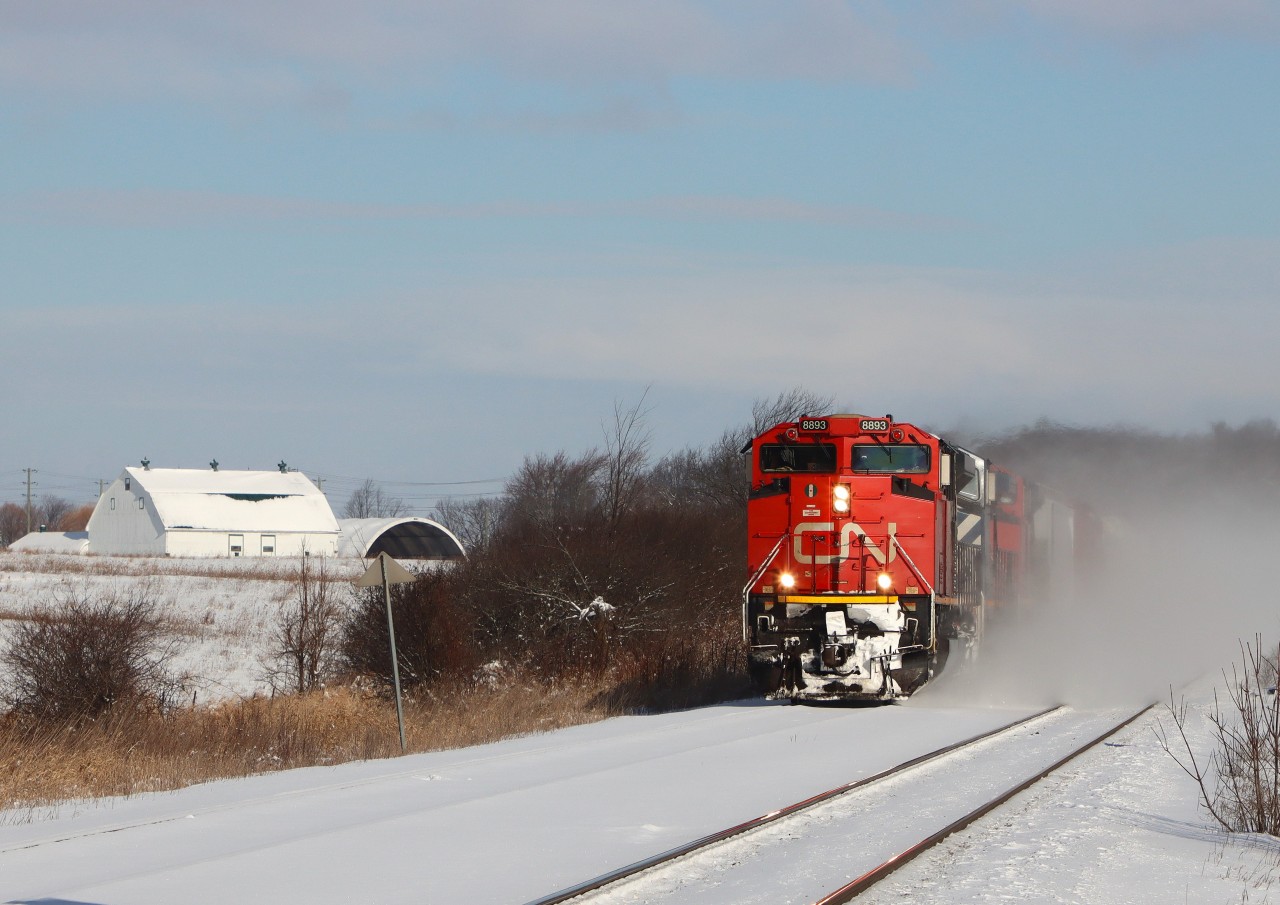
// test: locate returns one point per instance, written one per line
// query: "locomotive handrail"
(746, 591)
(911, 565)
(768, 561)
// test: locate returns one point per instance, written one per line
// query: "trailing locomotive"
(878, 549)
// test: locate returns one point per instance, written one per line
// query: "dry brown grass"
(129, 754)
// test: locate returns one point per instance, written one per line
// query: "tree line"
(609, 563)
(53, 512)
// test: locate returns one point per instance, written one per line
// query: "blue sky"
(416, 241)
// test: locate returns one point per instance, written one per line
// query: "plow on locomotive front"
(868, 542)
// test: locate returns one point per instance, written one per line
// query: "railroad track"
(702, 870)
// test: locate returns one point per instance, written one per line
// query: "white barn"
(195, 512)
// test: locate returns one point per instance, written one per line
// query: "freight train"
(877, 550)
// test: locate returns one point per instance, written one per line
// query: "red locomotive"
(876, 546)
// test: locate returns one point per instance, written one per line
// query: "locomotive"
(877, 550)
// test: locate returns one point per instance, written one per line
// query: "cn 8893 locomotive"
(878, 549)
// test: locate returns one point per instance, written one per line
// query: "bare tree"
(625, 460)
(13, 523)
(788, 405)
(475, 522)
(554, 490)
(50, 512)
(76, 519)
(307, 632)
(369, 500)
(718, 475)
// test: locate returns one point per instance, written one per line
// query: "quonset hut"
(194, 512)
(405, 537)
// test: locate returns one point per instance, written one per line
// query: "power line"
(341, 478)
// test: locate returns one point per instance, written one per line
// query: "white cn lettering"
(847, 533)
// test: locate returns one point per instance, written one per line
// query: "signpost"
(386, 572)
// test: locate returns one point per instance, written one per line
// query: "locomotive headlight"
(787, 580)
(840, 498)
(884, 581)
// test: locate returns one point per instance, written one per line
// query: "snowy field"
(222, 610)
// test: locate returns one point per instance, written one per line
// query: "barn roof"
(257, 501)
(408, 537)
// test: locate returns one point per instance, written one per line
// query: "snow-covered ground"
(222, 610)
(511, 821)
(527, 816)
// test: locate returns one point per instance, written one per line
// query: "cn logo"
(845, 549)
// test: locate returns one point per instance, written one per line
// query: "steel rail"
(680, 851)
(847, 892)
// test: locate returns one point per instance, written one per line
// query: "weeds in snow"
(1239, 782)
(43, 764)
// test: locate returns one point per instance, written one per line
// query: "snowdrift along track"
(858, 833)
(666, 857)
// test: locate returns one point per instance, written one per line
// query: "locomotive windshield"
(889, 458)
(815, 457)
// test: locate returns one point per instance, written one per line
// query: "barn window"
(113, 502)
(142, 504)
(268, 544)
(237, 544)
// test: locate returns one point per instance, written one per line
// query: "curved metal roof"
(408, 537)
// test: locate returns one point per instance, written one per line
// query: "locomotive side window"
(889, 458)
(814, 457)
(969, 480)
(1006, 488)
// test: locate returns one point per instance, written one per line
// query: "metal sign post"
(386, 572)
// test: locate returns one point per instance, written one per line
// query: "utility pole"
(101, 485)
(30, 472)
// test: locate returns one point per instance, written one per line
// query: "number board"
(873, 425)
(813, 424)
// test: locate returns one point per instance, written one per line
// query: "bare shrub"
(306, 633)
(1239, 784)
(680, 669)
(433, 639)
(81, 657)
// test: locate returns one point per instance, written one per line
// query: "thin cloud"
(1145, 23)
(265, 52)
(929, 340)
(1083, 355)
(161, 208)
